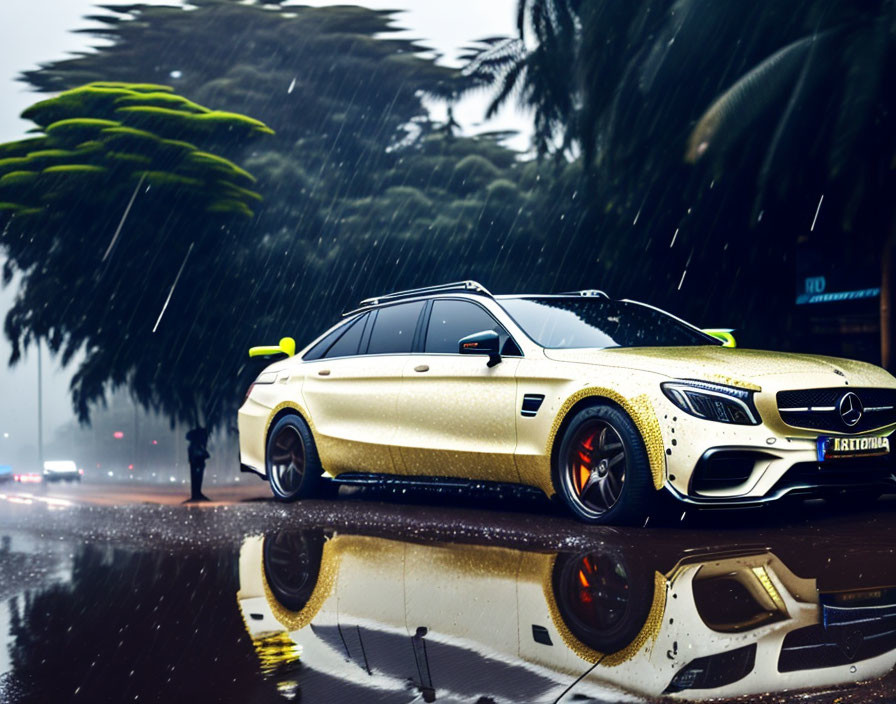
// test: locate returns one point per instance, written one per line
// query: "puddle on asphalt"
(320, 617)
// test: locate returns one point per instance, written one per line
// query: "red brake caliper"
(584, 468)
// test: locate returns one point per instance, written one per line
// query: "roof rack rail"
(466, 286)
(586, 292)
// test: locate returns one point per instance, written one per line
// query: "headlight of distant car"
(724, 404)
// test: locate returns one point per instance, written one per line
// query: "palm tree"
(693, 113)
(840, 71)
(538, 75)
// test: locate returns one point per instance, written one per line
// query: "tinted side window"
(321, 347)
(452, 320)
(393, 329)
(348, 343)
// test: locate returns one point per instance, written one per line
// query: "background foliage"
(683, 146)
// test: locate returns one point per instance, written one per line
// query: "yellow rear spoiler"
(287, 346)
(723, 334)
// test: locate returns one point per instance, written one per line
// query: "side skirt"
(474, 485)
(252, 470)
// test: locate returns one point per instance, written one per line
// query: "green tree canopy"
(124, 209)
(362, 192)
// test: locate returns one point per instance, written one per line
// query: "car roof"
(468, 287)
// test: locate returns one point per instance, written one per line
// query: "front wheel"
(293, 467)
(602, 472)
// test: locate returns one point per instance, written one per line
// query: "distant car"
(61, 471)
(28, 478)
(604, 403)
(6, 473)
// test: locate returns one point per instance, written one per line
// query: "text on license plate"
(830, 448)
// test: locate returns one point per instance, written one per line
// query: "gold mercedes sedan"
(606, 404)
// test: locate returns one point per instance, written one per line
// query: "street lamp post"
(40, 412)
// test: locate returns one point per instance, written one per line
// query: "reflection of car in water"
(602, 402)
(475, 623)
(61, 471)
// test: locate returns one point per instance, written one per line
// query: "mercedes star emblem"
(850, 408)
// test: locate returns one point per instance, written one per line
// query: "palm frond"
(804, 84)
(736, 109)
(509, 83)
(865, 57)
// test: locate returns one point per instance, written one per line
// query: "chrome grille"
(818, 409)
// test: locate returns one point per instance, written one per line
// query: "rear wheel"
(602, 472)
(293, 466)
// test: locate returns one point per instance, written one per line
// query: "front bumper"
(715, 464)
(800, 483)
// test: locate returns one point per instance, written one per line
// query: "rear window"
(321, 348)
(347, 345)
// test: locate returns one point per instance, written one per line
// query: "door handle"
(421, 368)
(324, 372)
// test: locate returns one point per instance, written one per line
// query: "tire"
(603, 598)
(291, 461)
(601, 470)
(291, 566)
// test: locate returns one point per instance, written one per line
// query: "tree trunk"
(886, 303)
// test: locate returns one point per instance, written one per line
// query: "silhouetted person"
(451, 126)
(198, 454)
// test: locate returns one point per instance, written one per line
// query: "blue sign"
(815, 291)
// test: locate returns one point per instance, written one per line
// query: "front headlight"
(725, 404)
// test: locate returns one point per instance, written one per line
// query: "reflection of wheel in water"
(291, 566)
(603, 599)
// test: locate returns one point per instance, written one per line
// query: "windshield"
(570, 323)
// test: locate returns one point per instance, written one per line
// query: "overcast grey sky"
(37, 31)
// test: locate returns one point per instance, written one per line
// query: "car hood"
(740, 367)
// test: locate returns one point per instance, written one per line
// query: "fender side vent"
(531, 404)
(540, 635)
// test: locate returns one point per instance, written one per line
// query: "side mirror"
(485, 342)
(287, 346)
(723, 334)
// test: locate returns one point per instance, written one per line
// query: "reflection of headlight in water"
(288, 688)
(276, 652)
(738, 600)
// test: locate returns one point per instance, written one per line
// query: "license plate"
(840, 448)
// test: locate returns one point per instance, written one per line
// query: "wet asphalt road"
(123, 593)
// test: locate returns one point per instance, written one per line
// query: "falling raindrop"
(817, 210)
(171, 292)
